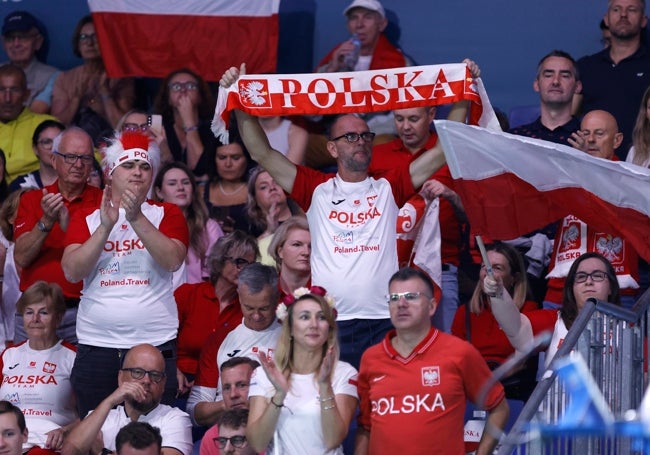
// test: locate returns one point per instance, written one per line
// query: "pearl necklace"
(226, 193)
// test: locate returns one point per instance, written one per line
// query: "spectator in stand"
(138, 120)
(259, 331)
(187, 106)
(176, 184)
(13, 428)
(291, 251)
(286, 137)
(232, 431)
(23, 38)
(44, 361)
(615, 78)
(17, 123)
(210, 307)
(43, 219)
(42, 142)
(639, 153)
(85, 96)
(591, 276)
(125, 249)
(138, 438)
(416, 363)
(303, 398)
(141, 382)
(267, 208)
(475, 322)
(236, 375)
(225, 194)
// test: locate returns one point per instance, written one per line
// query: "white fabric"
(630, 158)
(299, 426)
(128, 298)
(10, 294)
(559, 334)
(188, 7)
(279, 137)
(175, 427)
(38, 382)
(359, 235)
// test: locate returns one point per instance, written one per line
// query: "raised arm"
(426, 164)
(280, 168)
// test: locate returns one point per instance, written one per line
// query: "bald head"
(601, 134)
(144, 352)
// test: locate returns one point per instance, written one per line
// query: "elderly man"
(259, 331)
(17, 122)
(125, 250)
(13, 430)
(22, 39)
(599, 137)
(235, 380)
(138, 438)
(413, 386)
(352, 217)
(42, 221)
(141, 382)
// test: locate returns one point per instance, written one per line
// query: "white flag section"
(426, 249)
(511, 185)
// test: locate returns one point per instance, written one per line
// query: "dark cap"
(18, 21)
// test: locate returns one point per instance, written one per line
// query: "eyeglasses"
(596, 275)
(240, 263)
(72, 159)
(133, 127)
(408, 296)
(178, 86)
(87, 37)
(354, 137)
(45, 143)
(138, 373)
(236, 441)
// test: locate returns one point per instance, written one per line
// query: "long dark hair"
(206, 100)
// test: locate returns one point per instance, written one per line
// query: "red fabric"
(421, 399)
(384, 55)
(208, 36)
(199, 316)
(47, 265)
(486, 335)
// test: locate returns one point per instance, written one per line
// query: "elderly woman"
(291, 250)
(475, 322)
(303, 395)
(48, 402)
(176, 184)
(590, 276)
(206, 307)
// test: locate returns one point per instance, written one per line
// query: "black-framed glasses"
(138, 373)
(87, 37)
(596, 275)
(178, 86)
(240, 263)
(133, 127)
(72, 159)
(408, 296)
(237, 441)
(368, 136)
(45, 143)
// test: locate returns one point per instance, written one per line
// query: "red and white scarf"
(353, 92)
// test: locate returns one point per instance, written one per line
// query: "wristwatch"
(41, 227)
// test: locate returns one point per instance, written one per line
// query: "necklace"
(230, 193)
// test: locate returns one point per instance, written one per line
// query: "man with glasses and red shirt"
(43, 217)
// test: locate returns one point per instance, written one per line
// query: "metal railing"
(611, 340)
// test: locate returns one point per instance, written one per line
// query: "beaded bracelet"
(187, 129)
(323, 400)
(327, 408)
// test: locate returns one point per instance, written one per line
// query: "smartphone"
(155, 122)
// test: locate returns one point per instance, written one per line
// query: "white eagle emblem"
(254, 93)
(431, 376)
(571, 237)
(610, 247)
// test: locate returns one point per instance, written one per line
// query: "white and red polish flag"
(154, 37)
(352, 92)
(511, 185)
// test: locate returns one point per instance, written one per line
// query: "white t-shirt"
(298, 431)
(38, 382)
(559, 334)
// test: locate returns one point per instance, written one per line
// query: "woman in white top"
(304, 396)
(640, 151)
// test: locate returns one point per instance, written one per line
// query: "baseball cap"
(372, 5)
(18, 21)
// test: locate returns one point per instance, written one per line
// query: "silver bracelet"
(327, 408)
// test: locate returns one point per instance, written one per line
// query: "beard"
(143, 407)
(356, 165)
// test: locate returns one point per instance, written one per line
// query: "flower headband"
(282, 311)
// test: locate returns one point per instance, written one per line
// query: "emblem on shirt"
(610, 247)
(32, 364)
(430, 376)
(346, 237)
(12, 398)
(254, 93)
(49, 367)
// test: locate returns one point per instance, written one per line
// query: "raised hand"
(108, 213)
(132, 201)
(231, 75)
(52, 204)
(326, 366)
(473, 68)
(277, 378)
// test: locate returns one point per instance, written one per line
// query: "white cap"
(372, 5)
